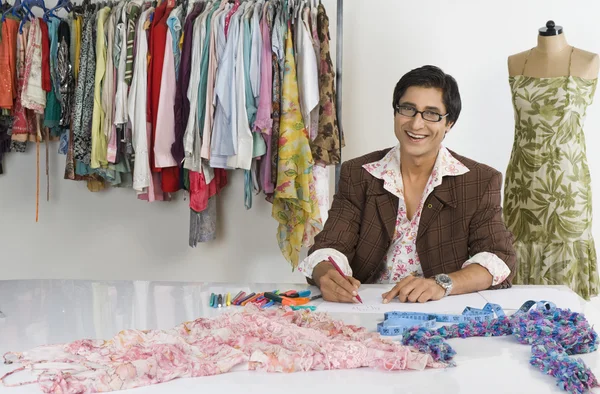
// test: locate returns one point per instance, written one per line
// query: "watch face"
(445, 279)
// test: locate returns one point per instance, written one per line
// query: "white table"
(41, 312)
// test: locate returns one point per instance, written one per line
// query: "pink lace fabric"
(277, 340)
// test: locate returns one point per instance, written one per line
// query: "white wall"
(111, 235)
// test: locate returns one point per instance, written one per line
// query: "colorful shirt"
(402, 258)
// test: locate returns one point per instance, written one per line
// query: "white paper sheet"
(372, 304)
(516, 296)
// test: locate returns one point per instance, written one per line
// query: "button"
(429, 205)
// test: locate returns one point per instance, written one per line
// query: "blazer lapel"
(387, 206)
(442, 195)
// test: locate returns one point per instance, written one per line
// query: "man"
(418, 214)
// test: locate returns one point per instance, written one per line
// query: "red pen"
(338, 269)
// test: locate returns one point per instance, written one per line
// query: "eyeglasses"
(411, 112)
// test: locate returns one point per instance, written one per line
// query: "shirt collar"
(388, 169)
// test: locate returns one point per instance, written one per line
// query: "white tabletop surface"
(38, 312)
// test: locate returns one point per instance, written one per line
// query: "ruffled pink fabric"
(275, 340)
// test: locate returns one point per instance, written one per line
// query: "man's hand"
(335, 287)
(413, 289)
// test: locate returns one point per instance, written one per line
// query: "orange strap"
(47, 138)
(37, 193)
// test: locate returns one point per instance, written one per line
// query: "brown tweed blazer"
(460, 218)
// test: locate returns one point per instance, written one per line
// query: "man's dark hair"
(432, 77)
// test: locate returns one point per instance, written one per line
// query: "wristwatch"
(445, 281)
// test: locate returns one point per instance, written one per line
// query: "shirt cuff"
(495, 266)
(307, 265)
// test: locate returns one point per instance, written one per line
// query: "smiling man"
(417, 215)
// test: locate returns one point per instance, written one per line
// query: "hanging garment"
(174, 23)
(142, 179)
(182, 102)
(119, 106)
(8, 63)
(76, 25)
(133, 13)
(45, 49)
(308, 77)
(252, 55)
(99, 140)
(547, 192)
(33, 96)
(65, 74)
(165, 136)
(207, 115)
(247, 43)
(224, 141)
(270, 341)
(326, 147)
(169, 175)
(22, 121)
(231, 138)
(53, 110)
(308, 87)
(84, 93)
(120, 62)
(191, 136)
(278, 45)
(263, 122)
(109, 86)
(156, 57)
(295, 203)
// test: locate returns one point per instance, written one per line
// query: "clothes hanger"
(62, 4)
(25, 18)
(17, 10)
(35, 3)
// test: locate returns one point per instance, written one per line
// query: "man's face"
(419, 137)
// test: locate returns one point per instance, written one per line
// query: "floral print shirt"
(402, 258)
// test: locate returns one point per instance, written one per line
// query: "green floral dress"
(547, 194)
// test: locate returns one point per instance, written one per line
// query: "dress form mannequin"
(547, 200)
(551, 57)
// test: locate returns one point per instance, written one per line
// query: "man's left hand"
(412, 289)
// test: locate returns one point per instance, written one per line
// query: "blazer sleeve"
(488, 233)
(341, 230)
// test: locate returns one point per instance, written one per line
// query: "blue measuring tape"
(396, 323)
